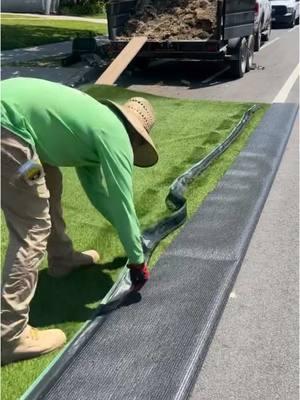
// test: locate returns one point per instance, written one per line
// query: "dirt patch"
(174, 19)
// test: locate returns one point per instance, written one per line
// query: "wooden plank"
(114, 70)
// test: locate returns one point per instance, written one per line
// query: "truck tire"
(257, 42)
(238, 67)
(293, 21)
(267, 33)
(250, 58)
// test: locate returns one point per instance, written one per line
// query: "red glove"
(139, 274)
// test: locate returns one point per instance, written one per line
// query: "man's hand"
(139, 274)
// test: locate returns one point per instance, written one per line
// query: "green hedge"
(81, 7)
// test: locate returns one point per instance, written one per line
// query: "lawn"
(26, 32)
(185, 132)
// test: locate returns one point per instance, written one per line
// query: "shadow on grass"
(125, 300)
(70, 299)
(18, 36)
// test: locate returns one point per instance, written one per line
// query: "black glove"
(139, 274)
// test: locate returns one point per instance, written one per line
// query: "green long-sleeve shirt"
(67, 127)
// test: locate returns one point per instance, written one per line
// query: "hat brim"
(145, 155)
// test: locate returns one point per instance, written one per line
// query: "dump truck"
(173, 30)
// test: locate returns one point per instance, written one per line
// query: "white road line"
(215, 75)
(269, 43)
(286, 88)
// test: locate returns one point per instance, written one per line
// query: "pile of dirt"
(174, 19)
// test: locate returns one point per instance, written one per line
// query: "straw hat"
(140, 115)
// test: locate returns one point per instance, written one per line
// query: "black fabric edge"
(192, 376)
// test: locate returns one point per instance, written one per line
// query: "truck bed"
(195, 49)
(174, 19)
(234, 18)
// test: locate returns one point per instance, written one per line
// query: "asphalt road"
(276, 60)
(254, 354)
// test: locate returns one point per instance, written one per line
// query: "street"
(276, 61)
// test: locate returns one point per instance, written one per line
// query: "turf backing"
(184, 133)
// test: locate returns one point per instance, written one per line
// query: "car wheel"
(250, 58)
(267, 35)
(257, 42)
(293, 21)
(238, 67)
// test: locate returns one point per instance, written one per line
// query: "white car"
(285, 12)
(262, 22)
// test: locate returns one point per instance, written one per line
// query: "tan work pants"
(35, 223)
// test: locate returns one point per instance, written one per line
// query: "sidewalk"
(68, 75)
(39, 52)
(57, 17)
(36, 52)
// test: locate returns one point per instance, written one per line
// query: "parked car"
(263, 22)
(285, 12)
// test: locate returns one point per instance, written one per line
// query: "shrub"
(81, 7)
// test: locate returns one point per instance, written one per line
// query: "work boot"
(32, 343)
(59, 269)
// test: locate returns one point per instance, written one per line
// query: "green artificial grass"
(26, 32)
(184, 133)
